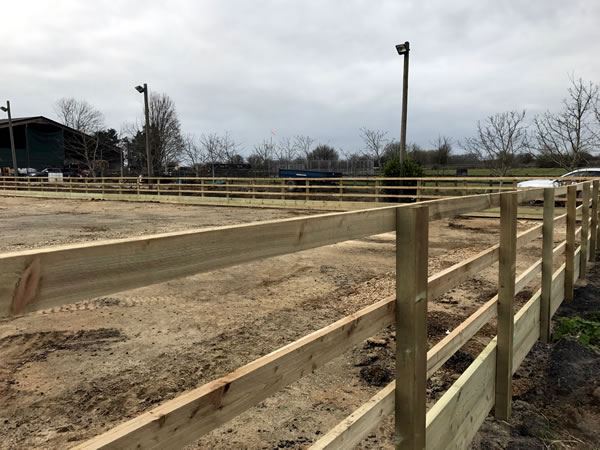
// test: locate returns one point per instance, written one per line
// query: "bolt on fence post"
(585, 229)
(506, 294)
(412, 234)
(570, 245)
(594, 227)
(547, 264)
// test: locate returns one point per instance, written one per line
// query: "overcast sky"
(322, 68)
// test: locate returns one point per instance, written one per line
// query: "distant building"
(40, 143)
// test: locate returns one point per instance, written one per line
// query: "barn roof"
(18, 121)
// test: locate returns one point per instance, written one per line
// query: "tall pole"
(404, 103)
(12, 139)
(147, 113)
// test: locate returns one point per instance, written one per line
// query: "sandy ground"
(70, 373)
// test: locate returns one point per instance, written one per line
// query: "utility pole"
(6, 109)
(404, 49)
(144, 90)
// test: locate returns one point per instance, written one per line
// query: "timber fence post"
(594, 226)
(547, 264)
(570, 246)
(412, 233)
(506, 295)
(585, 229)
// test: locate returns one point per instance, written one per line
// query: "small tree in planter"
(406, 169)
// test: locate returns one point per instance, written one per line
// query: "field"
(69, 373)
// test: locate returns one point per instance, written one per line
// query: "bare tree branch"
(499, 139)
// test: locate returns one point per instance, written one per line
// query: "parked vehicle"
(562, 180)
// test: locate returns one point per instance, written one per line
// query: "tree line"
(567, 138)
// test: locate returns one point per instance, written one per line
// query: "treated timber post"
(547, 264)
(377, 183)
(585, 229)
(506, 295)
(570, 246)
(594, 229)
(307, 182)
(412, 230)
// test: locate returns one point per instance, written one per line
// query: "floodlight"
(403, 48)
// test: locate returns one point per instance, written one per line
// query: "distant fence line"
(311, 193)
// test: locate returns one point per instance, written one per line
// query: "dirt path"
(73, 372)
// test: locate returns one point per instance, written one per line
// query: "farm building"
(41, 142)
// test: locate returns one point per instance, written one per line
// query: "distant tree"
(110, 148)
(229, 149)
(88, 122)
(165, 132)
(323, 152)
(418, 154)
(391, 151)
(374, 143)
(303, 145)
(565, 137)
(286, 151)
(262, 156)
(211, 147)
(499, 139)
(194, 153)
(443, 149)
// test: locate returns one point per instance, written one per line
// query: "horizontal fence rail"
(38, 279)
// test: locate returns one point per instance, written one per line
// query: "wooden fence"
(38, 279)
(315, 193)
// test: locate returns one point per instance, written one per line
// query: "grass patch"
(586, 331)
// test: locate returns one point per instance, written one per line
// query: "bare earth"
(70, 373)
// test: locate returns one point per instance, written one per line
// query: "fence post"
(506, 295)
(412, 232)
(585, 229)
(341, 190)
(377, 182)
(547, 264)
(594, 229)
(307, 182)
(570, 246)
(419, 183)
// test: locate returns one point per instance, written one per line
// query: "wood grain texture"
(506, 295)
(412, 240)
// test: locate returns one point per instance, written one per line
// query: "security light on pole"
(6, 109)
(403, 50)
(144, 90)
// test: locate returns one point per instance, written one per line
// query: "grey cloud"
(323, 68)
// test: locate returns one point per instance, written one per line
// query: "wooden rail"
(38, 279)
(314, 193)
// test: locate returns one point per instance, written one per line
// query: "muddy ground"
(556, 391)
(70, 373)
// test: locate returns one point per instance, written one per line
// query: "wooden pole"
(594, 229)
(412, 230)
(506, 294)
(570, 246)
(585, 229)
(547, 264)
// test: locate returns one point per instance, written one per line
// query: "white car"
(541, 183)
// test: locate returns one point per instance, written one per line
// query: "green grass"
(587, 332)
(516, 172)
